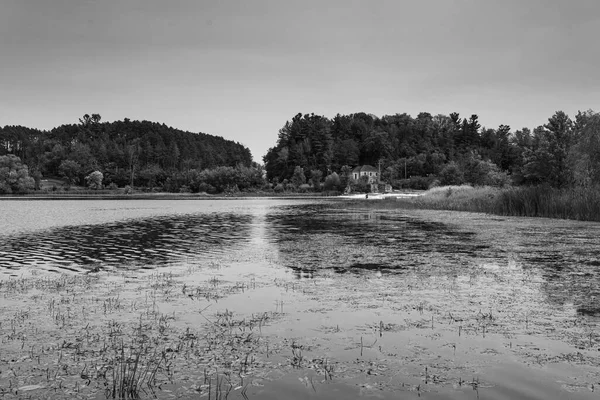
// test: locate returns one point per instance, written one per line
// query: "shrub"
(206, 188)
(14, 175)
(452, 174)
(305, 187)
(298, 178)
(94, 180)
(332, 182)
(435, 183)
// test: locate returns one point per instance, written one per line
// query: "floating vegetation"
(314, 314)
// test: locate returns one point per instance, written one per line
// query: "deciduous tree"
(14, 175)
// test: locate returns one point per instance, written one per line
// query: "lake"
(282, 298)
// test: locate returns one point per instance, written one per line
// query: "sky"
(241, 69)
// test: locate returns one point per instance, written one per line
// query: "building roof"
(364, 168)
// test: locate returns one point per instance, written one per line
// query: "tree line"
(439, 149)
(311, 153)
(134, 153)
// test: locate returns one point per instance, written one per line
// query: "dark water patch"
(593, 311)
(349, 239)
(367, 266)
(131, 244)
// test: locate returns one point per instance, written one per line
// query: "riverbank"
(158, 196)
(528, 201)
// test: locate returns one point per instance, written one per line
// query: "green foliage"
(14, 175)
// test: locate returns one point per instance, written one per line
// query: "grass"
(80, 336)
(528, 201)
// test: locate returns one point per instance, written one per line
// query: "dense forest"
(312, 153)
(135, 153)
(418, 152)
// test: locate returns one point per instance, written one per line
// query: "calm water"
(430, 280)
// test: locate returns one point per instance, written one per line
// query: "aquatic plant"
(525, 201)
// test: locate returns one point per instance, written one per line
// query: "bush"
(361, 185)
(435, 183)
(332, 182)
(14, 175)
(452, 174)
(298, 178)
(94, 180)
(305, 187)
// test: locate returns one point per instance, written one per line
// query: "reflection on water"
(564, 254)
(461, 294)
(141, 242)
(313, 236)
(308, 237)
(346, 241)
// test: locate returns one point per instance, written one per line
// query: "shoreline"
(189, 196)
(582, 204)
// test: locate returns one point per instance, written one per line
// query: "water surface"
(398, 304)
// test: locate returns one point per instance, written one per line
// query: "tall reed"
(579, 203)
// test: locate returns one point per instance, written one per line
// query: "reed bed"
(527, 201)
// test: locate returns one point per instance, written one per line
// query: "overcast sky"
(240, 69)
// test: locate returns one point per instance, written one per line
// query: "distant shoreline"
(161, 196)
(204, 196)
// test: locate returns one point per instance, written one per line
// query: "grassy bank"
(534, 201)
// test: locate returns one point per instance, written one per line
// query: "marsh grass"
(523, 201)
(85, 335)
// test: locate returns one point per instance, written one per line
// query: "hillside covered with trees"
(135, 153)
(441, 149)
(312, 153)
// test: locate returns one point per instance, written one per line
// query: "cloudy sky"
(241, 68)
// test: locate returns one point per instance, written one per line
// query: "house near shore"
(366, 170)
(373, 177)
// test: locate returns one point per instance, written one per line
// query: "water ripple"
(149, 241)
